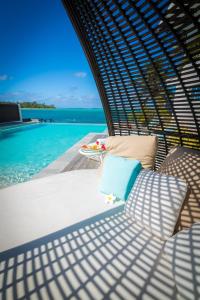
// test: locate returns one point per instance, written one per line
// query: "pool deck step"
(71, 159)
(82, 162)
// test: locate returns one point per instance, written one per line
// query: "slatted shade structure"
(145, 58)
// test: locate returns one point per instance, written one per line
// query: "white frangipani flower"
(110, 199)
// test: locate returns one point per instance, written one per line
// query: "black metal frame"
(145, 58)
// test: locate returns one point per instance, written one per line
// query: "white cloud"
(71, 98)
(80, 74)
(4, 77)
(20, 96)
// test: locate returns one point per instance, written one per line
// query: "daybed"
(59, 240)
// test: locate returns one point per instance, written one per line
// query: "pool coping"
(58, 165)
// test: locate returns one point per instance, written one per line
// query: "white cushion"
(35, 208)
(183, 253)
(155, 202)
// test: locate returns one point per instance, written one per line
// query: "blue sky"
(40, 56)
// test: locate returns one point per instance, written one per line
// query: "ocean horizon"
(66, 115)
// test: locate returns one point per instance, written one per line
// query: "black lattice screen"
(145, 57)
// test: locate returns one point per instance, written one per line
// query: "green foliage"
(156, 100)
(192, 46)
(143, 117)
(34, 104)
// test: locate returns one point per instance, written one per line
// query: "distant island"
(33, 104)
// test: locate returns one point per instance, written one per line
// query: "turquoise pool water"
(25, 150)
(67, 115)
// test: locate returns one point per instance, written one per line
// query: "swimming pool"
(25, 150)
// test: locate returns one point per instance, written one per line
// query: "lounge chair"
(85, 249)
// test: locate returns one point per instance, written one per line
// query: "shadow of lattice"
(185, 164)
(155, 202)
(106, 257)
(182, 251)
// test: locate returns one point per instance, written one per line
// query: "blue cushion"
(118, 176)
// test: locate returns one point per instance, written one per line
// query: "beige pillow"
(138, 147)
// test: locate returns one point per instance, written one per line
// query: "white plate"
(91, 150)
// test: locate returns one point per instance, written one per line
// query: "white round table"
(93, 154)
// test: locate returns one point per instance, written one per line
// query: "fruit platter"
(93, 149)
